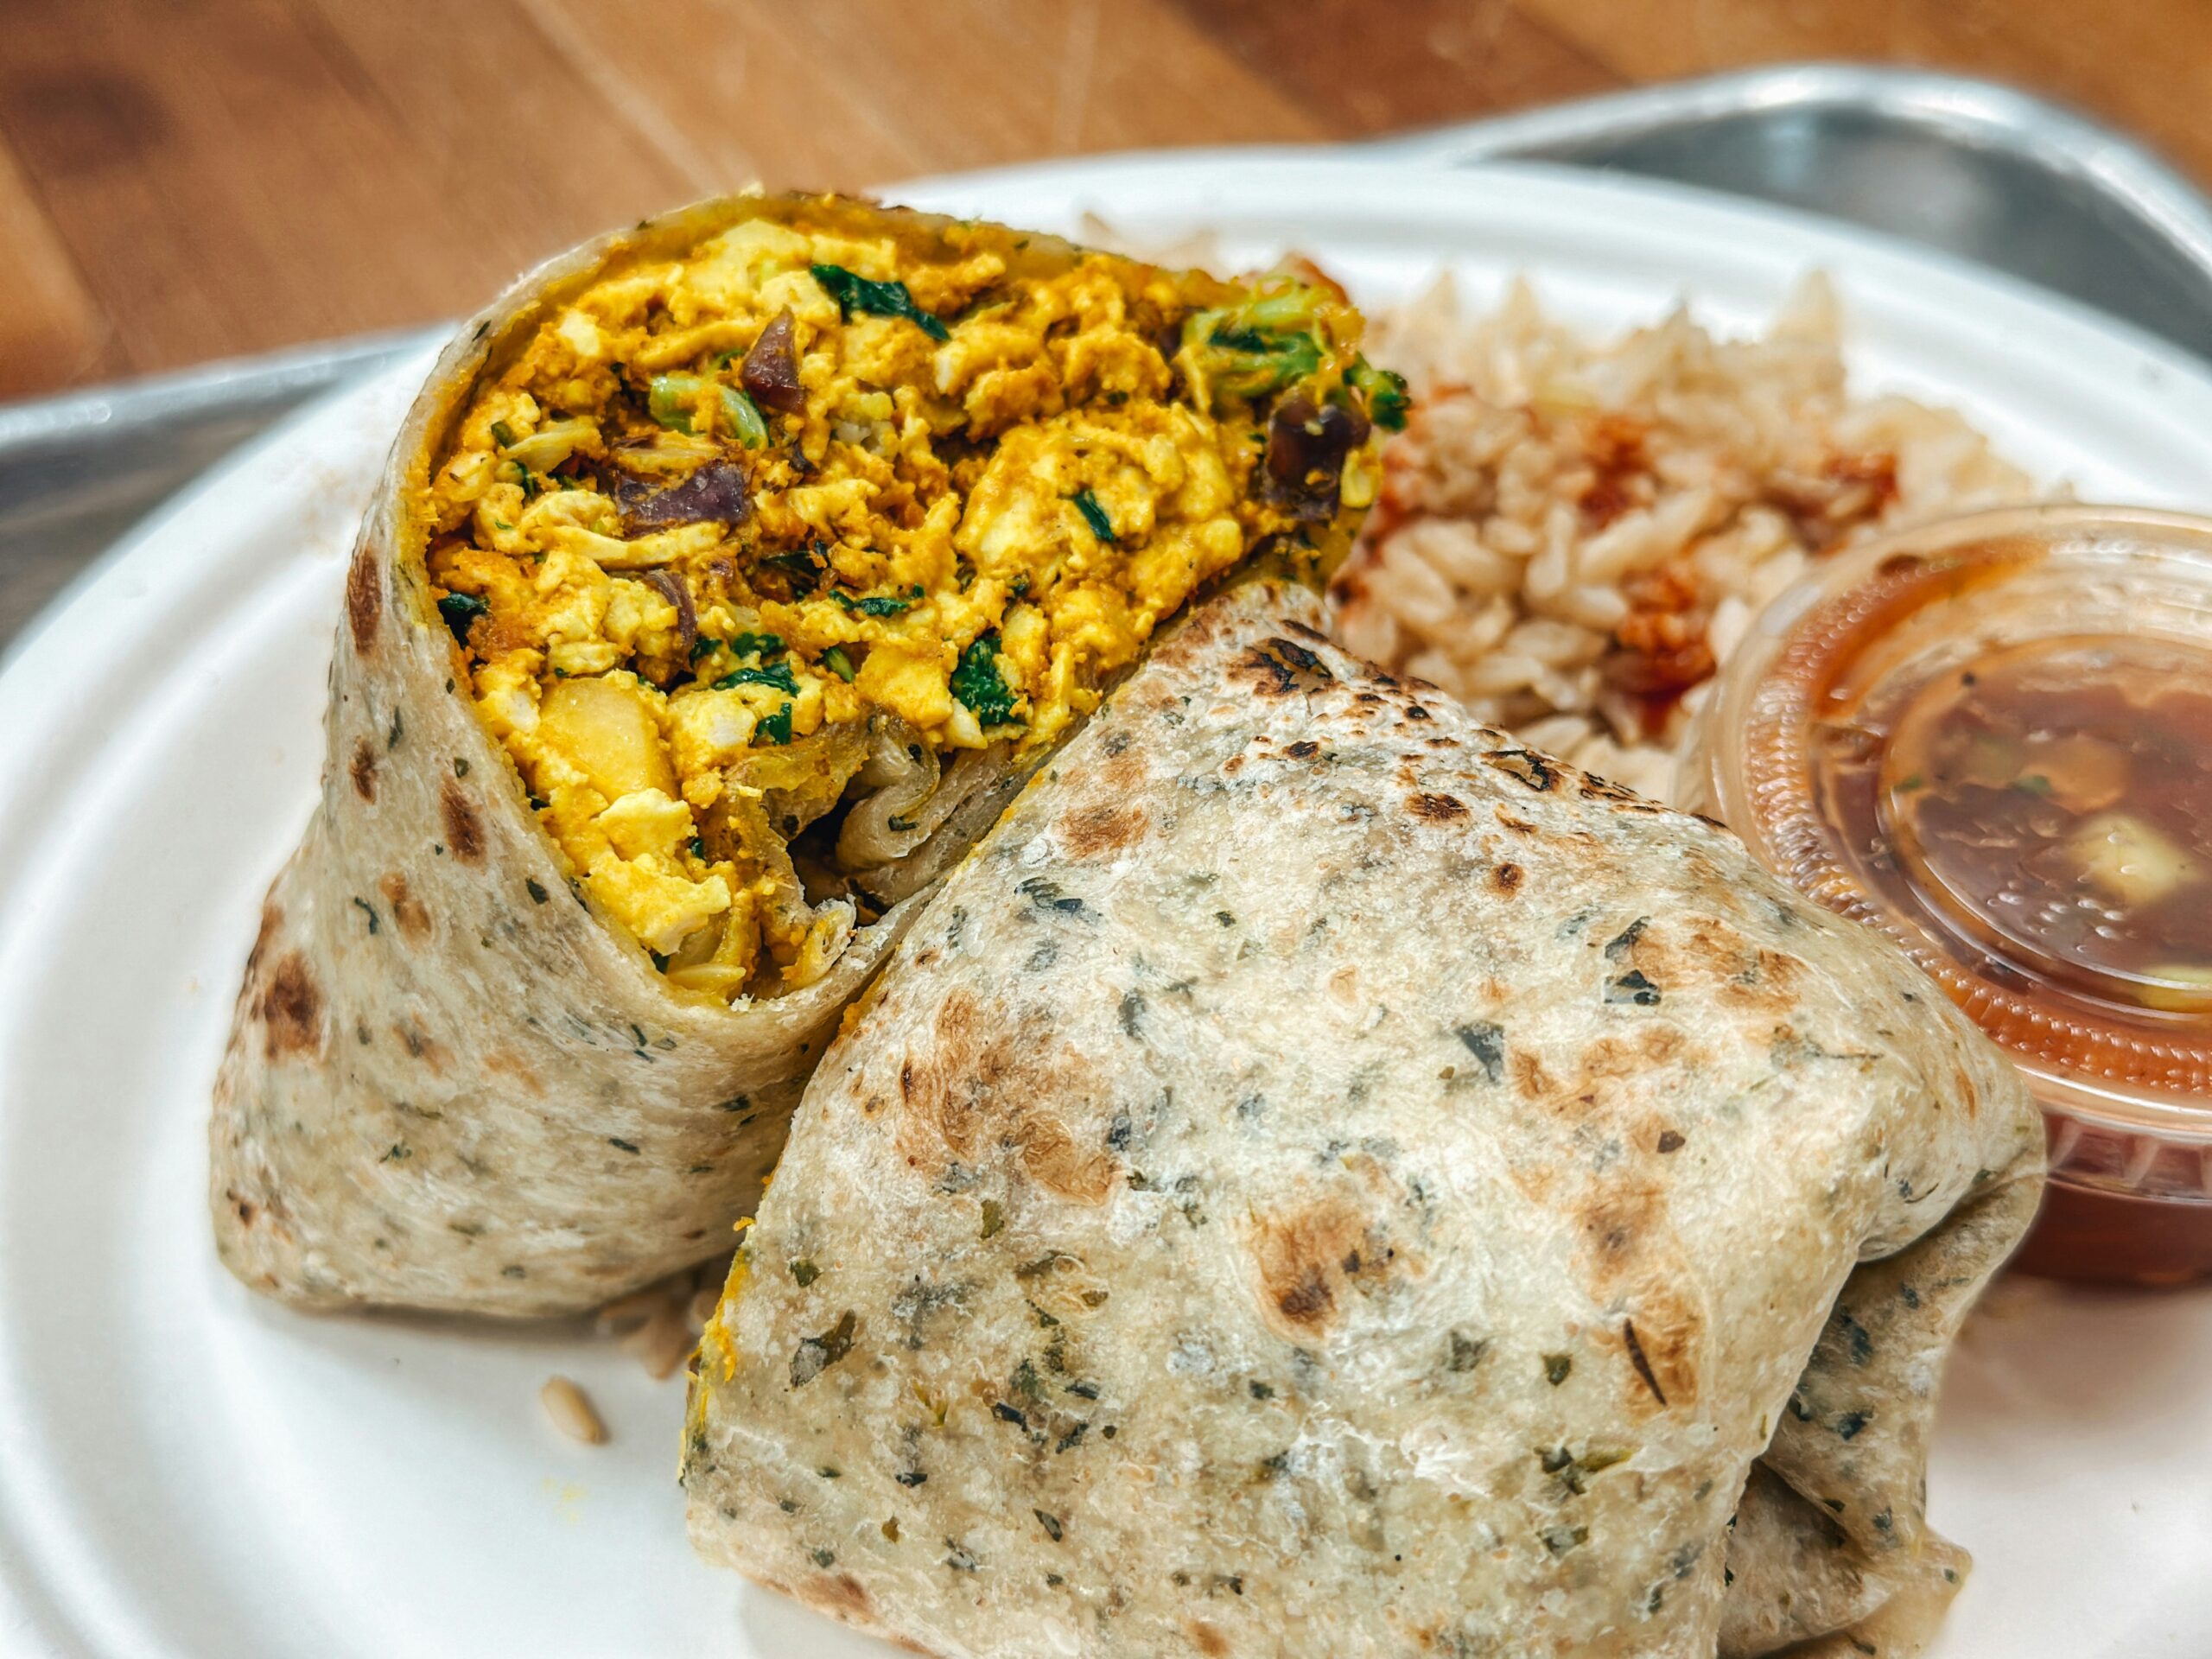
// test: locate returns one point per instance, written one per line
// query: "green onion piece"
(837, 662)
(1289, 312)
(671, 399)
(1095, 516)
(1385, 392)
(503, 435)
(743, 417)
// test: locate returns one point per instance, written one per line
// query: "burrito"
(1323, 1179)
(728, 577)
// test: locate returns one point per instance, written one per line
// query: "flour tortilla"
(451, 1085)
(1322, 1180)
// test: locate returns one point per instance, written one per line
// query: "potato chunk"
(605, 729)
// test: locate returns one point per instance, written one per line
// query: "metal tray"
(1974, 168)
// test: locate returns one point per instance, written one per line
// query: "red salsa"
(1992, 739)
(2051, 803)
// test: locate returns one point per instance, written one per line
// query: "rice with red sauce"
(1572, 536)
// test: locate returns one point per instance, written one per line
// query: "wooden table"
(188, 179)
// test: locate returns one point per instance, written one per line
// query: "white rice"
(1572, 536)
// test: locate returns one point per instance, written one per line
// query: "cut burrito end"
(728, 577)
(1324, 1180)
(768, 554)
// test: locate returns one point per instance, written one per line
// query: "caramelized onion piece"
(770, 371)
(671, 588)
(1307, 447)
(715, 493)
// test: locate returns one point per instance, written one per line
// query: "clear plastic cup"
(1922, 735)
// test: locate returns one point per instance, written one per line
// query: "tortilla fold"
(1322, 1179)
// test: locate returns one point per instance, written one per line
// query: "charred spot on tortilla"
(1604, 789)
(1506, 879)
(364, 598)
(1104, 828)
(1539, 772)
(1438, 807)
(1279, 668)
(363, 770)
(290, 1008)
(464, 828)
(1643, 1365)
(408, 911)
(1007, 1087)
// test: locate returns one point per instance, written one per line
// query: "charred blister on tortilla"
(772, 558)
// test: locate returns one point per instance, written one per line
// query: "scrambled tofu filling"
(751, 546)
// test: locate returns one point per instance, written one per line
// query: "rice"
(1572, 536)
(570, 1408)
(659, 1325)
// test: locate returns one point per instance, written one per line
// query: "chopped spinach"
(776, 729)
(460, 610)
(776, 674)
(854, 292)
(978, 684)
(876, 604)
(758, 644)
(802, 566)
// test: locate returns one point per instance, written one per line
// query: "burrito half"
(728, 577)
(1324, 1180)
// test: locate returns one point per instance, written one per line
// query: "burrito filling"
(767, 562)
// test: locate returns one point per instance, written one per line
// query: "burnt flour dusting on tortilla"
(1251, 1220)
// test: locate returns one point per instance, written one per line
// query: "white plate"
(186, 1470)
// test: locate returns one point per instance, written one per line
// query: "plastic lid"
(1991, 739)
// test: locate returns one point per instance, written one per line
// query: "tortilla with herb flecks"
(717, 599)
(1324, 1180)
